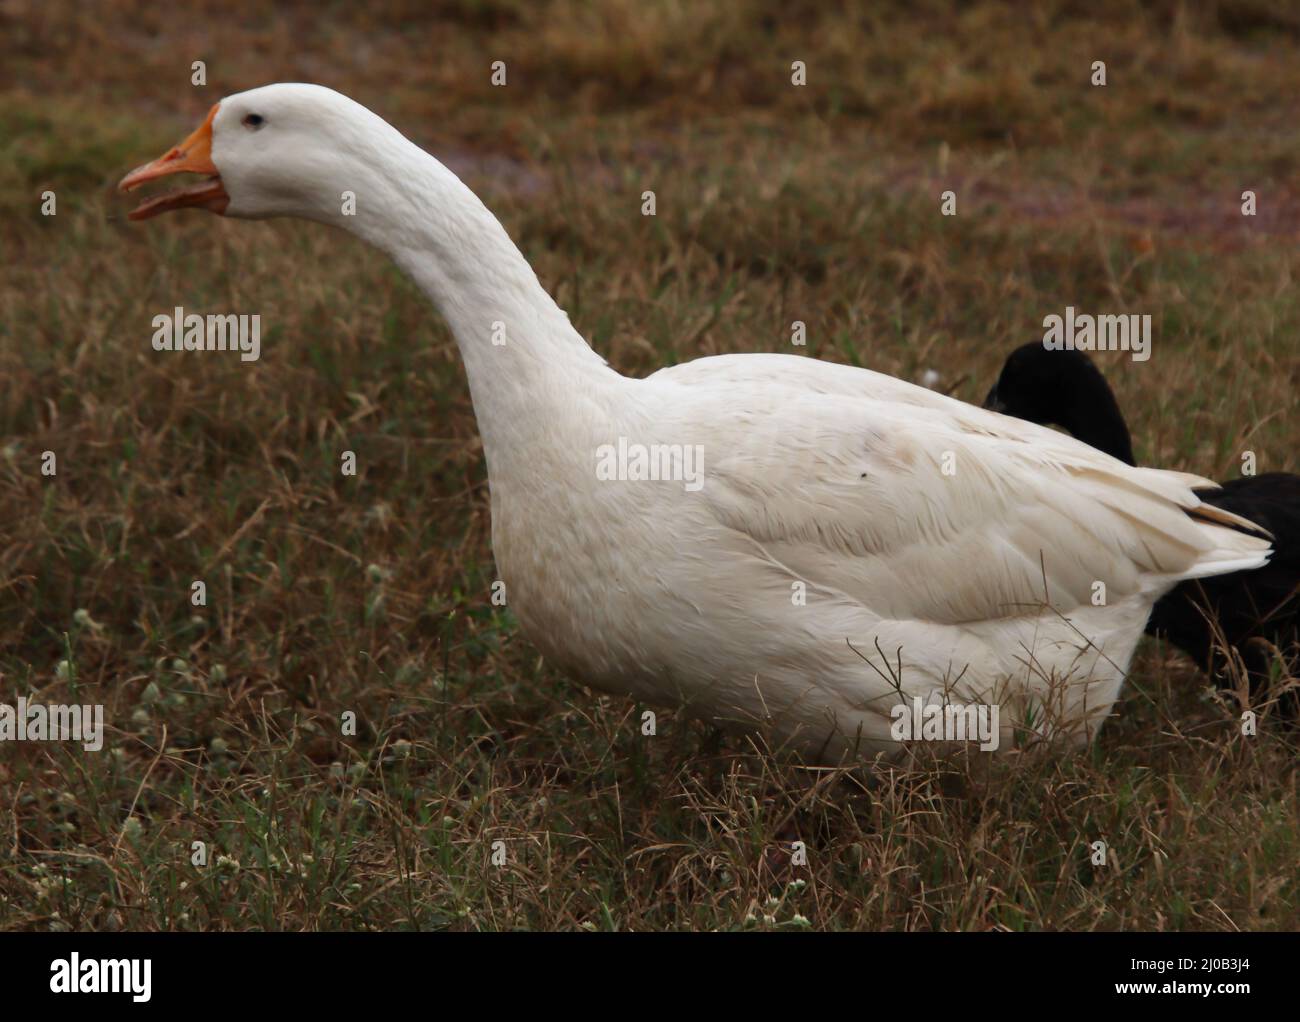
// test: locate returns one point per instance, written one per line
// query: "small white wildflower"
(82, 619)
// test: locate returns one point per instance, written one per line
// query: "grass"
(330, 595)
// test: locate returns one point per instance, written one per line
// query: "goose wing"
(925, 508)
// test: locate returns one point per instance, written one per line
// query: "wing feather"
(924, 508)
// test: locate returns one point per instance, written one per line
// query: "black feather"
(1256, 611)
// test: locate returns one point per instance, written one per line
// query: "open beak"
(193, 156)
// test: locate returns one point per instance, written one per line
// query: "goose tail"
(1237, 544)
(1211, 515)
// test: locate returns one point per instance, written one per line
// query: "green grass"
(370, 595)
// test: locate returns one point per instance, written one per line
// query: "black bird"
(1256, 611)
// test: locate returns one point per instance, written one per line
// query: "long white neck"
(521, 353)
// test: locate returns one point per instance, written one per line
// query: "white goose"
(853, 542)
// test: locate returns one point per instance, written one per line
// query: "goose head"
(305, 151)
(279, 150)
(1062, 388)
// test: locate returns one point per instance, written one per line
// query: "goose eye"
(254, 121)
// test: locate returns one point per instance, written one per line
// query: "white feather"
(963, 545)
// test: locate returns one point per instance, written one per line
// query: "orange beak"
(193, 156)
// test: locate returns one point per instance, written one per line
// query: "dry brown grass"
(371, 594)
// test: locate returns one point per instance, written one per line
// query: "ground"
(371, 594)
